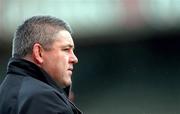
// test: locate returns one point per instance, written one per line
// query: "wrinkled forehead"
(64, 37)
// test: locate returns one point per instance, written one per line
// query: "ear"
(37, 53)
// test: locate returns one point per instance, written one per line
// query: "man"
(39, 73)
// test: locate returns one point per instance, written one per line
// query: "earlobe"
(37, 53)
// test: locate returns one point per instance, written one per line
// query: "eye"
(66, 49)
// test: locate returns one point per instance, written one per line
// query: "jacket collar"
(27, 68)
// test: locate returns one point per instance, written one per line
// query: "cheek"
(59, 62)
(51, 61)
(63, 59)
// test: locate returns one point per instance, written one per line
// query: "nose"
(74, 59)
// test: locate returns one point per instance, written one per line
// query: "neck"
(30, 58)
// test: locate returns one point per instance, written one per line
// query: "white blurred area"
(93, 17)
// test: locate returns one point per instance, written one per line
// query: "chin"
(68, 83)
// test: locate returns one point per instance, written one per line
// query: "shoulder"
(37, 96)
(33, 87)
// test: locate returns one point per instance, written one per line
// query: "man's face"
(59, 60)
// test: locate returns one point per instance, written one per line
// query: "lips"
(71, 69)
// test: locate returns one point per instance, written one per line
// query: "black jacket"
(27, 89)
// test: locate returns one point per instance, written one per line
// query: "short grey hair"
(37, 29)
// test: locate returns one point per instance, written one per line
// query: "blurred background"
(128, 50)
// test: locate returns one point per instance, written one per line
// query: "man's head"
(39, 29)
(47, 42)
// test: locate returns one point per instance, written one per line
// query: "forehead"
(64, 38)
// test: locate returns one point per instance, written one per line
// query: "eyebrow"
(69, 45)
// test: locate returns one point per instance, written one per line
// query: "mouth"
(70, 69)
